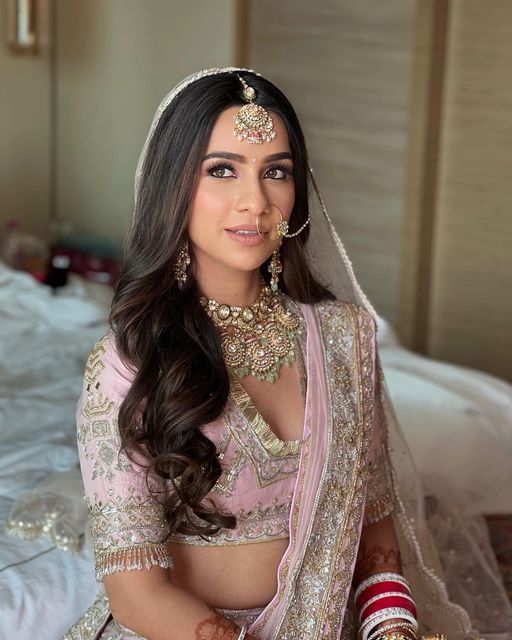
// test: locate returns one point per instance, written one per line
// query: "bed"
(44, 341)
(455, 420)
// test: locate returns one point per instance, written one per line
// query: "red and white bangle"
(393, 627)
(377, 578)
(387, 586)
(383, 616)
(384, 597)
(386, 600)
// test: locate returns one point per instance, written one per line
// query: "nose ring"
(281, 228)
(258, 226)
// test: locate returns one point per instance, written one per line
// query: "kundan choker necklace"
(257, 339)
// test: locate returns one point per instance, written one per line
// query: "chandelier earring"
(181, 264)
(275, 267)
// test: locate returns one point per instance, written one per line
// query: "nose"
(251, 197)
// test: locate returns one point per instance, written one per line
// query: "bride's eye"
(221, 171)
(278, 173)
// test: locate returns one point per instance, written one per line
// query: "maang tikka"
(253, 123)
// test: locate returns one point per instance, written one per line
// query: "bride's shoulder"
(106, 367)
(344, 308)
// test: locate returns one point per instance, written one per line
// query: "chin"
(247, 265)
(247, 268)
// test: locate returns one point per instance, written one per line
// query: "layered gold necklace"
(257, 339)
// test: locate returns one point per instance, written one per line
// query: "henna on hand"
(376, 559)
(217, 627)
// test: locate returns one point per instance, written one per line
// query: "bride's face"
(239, 181)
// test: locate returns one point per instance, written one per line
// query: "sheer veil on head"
(330, 263)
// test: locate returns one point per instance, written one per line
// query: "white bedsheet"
(43, 346)
(458, 425)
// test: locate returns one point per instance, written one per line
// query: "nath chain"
(296, 233)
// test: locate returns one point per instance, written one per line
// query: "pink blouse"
(259, 472)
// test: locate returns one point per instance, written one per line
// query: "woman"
(233, 425)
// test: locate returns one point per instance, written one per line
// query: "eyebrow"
(236, 157)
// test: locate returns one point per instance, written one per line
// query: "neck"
(235, 289)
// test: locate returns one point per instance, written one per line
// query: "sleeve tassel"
(377, 509)
(136, 557)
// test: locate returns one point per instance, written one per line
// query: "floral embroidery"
(100, 438)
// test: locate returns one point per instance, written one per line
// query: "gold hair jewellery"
(258, 339)
(253, 123)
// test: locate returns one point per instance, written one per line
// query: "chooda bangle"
(393, 626)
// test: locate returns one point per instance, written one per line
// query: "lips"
(247, 234)
(246, 229)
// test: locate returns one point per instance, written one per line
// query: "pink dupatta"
(315, 573)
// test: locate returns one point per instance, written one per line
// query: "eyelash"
(226, 165)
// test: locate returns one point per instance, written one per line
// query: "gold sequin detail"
(318, 577)
(92, 620)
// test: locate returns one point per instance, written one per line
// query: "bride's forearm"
(378, 550)
(149, 604)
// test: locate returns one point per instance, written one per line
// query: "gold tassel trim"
(272, 444)
(134, 558)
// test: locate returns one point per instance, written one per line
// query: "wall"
(115, 61)
(25, 134)
(406, 108)
(471, 308)
(346, 68)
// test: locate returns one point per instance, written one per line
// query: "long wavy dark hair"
(181, 381)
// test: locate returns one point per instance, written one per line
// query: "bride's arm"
(148, 603)
(379, 553)
(378, 550)
(128, 525)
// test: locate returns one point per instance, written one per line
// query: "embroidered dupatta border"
(318, 582)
